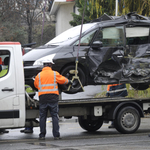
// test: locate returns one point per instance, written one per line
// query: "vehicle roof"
(130, 18)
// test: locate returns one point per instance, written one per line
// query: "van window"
(86, 39)
(70, 33)
(137, 35)
(4, 62)
(112, 36)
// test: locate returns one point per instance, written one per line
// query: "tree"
(10, 27)
(94, 9)
(23, 15)
(48, 34)
(126, 6)
(77, 19)
(27, 10)
(99, 7)
(12, 32)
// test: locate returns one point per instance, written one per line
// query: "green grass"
(132, 93)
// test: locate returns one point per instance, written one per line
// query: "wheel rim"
(69, 76)
(128, 120)
(76, 86)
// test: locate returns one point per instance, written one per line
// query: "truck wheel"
(90, 124)
(128, 120)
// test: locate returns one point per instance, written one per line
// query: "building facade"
(62, 9)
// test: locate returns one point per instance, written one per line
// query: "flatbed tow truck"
(18, 109)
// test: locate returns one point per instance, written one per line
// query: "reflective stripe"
(47, 90)
(119, 90)
(66, 81)
(47, 85)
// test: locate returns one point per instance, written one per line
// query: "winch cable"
(76, 62)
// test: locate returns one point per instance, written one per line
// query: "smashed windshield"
(69, 34)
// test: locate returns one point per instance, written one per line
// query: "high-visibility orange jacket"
(46, 81)
(108, 86)
(116, 90)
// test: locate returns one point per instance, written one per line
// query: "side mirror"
(97, 44)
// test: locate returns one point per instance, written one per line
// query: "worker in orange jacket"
(46, 83)
(116, 90)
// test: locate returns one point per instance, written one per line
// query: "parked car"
(27, 47)
(112, 50)
(26, 50)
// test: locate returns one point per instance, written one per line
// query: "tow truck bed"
(99, 100)
(92, 112)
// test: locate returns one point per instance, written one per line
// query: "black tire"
(76, 87)
(140, 86)
(128, 120)
(90, 124)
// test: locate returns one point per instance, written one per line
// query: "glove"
(70, 82)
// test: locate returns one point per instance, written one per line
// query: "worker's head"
(48, 63)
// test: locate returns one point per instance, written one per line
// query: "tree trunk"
(30, 33)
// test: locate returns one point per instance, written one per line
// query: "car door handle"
(10, 90)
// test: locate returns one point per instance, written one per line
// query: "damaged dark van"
(112, 50)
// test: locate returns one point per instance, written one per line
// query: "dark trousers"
(53, 108)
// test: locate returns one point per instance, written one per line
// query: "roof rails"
(135, 16)
(103, 18)
(129, 16)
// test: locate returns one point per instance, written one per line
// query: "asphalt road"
(75, 138)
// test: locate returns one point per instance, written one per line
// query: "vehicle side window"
(111, 36)
(137, 35)
(85, 40)
(4, 62)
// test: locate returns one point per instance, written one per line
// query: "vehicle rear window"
(137, 35)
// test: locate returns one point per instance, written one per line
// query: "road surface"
(75, 138)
